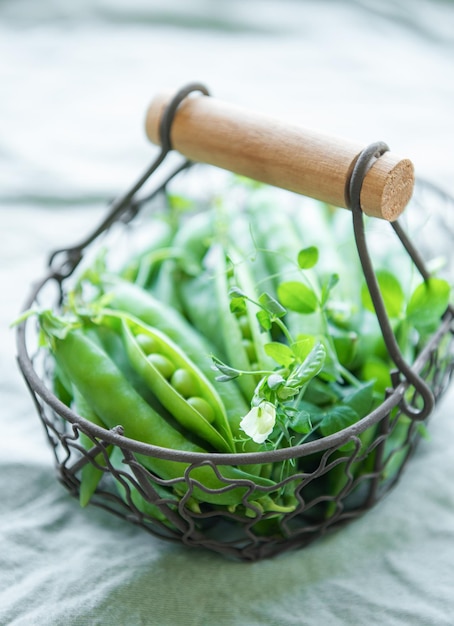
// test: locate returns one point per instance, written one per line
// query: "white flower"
(259, 422)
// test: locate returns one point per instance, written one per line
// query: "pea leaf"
(328, 285)
(320, 392)
(280, 352)
(428, 303)
(237, 305)
(300, 422)
(271, 305)
(345, 345)
(227, 372)
(308, 257)
(338, 418)
(54, 326)
(377, 371)
(237, 300)
(264, 319)
(297, 297)
(391, 291)
(309, 368)
(360, 400)
(302, 346)
(315, 412)
(236, 292)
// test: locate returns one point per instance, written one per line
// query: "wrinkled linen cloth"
(76, 79)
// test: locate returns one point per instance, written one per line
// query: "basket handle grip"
(292, 157)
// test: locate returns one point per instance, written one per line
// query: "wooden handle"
(207, 130)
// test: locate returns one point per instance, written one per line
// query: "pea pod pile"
(239, 329)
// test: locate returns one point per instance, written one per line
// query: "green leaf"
(285, 392)
(308, 257)
(321, 393)
(236, 292)
(338, 418)
(361, 399)
(54, 326)
(315, 412)
(227, 371)
(309, 368)
(391, 291)
(329, 284)
(302, 346)
(224, 378)
(238, 305)
(281, 353)
(428, 303)
(297, 297)
(377, 371)
(264, 319)
(271, 305)
(300, 422)
(345, 344)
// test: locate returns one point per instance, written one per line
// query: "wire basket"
(335, 478)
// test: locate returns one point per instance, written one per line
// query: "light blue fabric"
(76, 79)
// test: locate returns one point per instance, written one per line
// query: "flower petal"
(259, 422)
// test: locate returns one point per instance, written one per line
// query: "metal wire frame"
(247, 532)
(332, 484)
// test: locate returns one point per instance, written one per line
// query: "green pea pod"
(224, 328)
(193, 239)
(130, 494)
(62, 388)
(199, 305)
(164, 286)
(217, 432)
(106, 326)
(205, 295)
(116, 402)
(91, 473)
(194, 280)
(129, 298)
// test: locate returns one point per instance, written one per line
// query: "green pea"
(202, 406)
(184, 382)
(162, 364)
(147, 343)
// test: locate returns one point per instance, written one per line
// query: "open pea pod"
(177, 383)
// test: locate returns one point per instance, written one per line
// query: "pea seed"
(202, 406)
(147, 343)
(184, 382)
(162, 364)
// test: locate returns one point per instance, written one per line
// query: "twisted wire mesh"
(330, 488)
